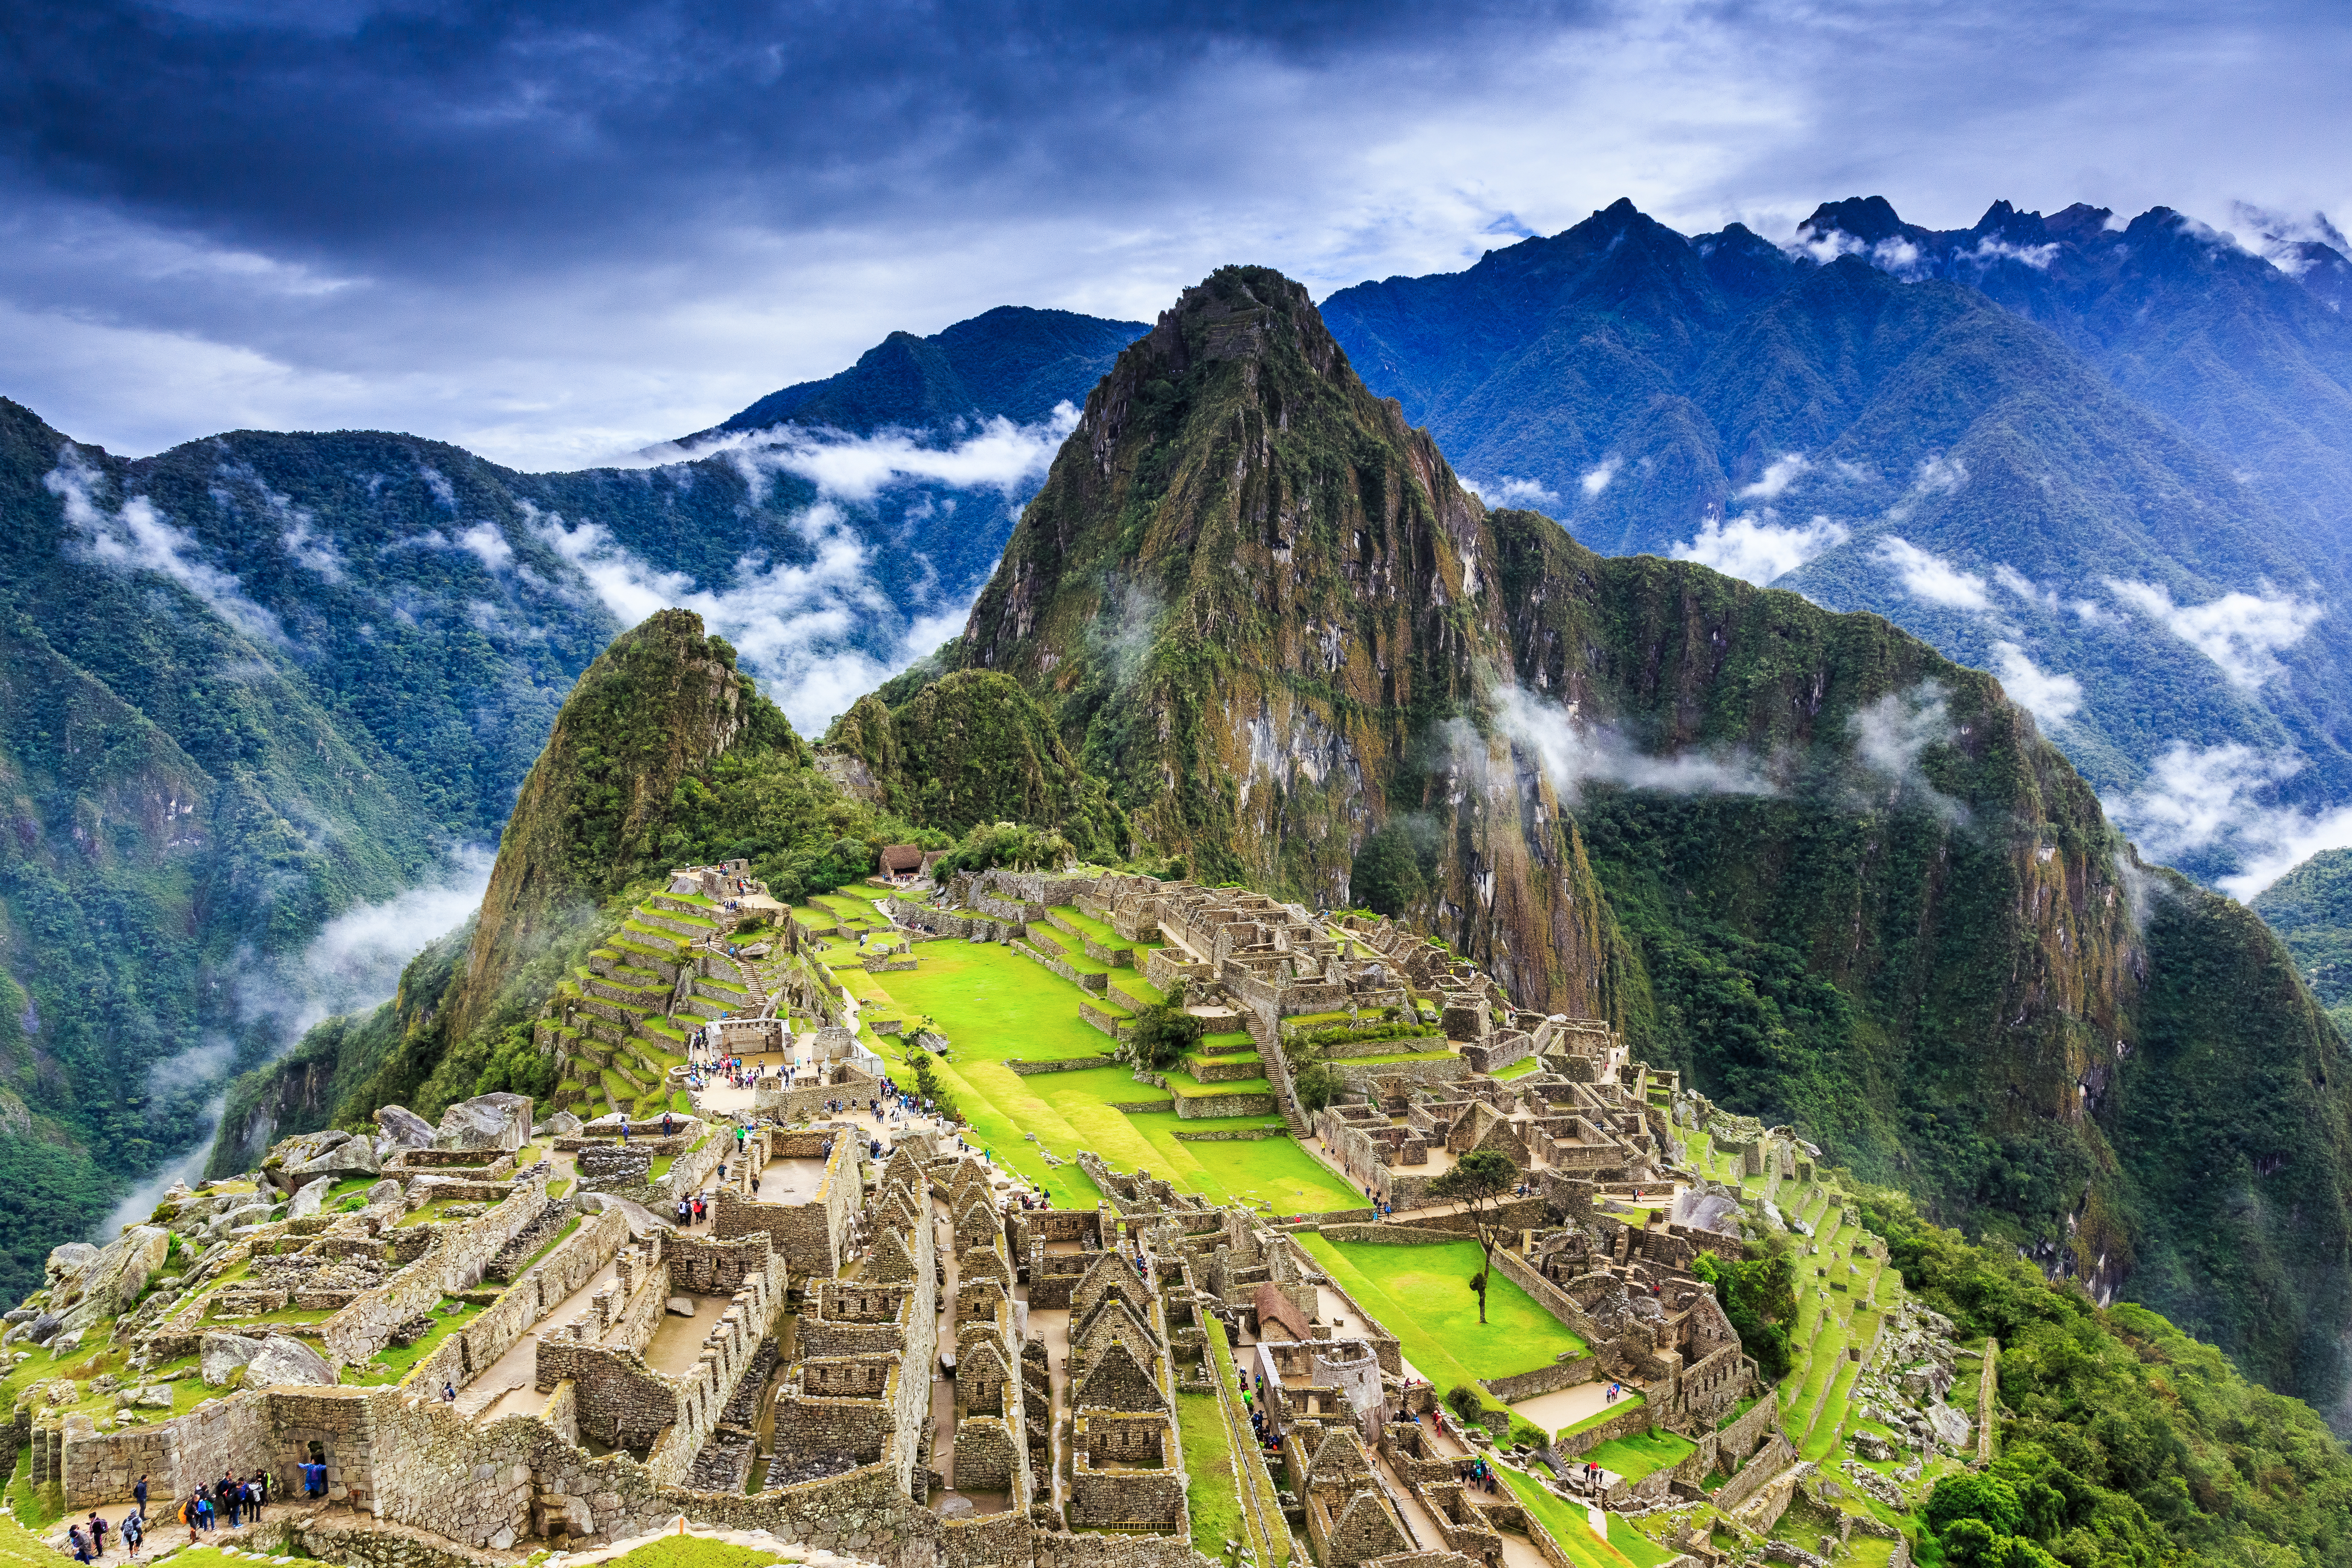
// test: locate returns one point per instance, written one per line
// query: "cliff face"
(1841, 880)
(659, 704)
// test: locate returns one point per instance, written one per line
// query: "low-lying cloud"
(1891, 739)
(355, 963)
(1573, 752)
(1508, 491)
(997, 454)
(1757, 549)
(2206, 799)
(136, 537)
(1930, 578)
(2052, 698)
(2240, 633)
(1779, 475)
(1596, 478)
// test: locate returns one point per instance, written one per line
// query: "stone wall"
(456, 1261)
(810, 1235)
(1559, 1374)
(1639, 1418)
(1096, 984)
(1195, 1107)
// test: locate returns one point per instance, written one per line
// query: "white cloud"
(1508, 491)
(2215, 797)
(2024, 588)
(2049, 697)
(354, 962)
(999, 455)
(138, 538)
(313, 551)
(1931, 578)
(1779, 475)
(1572, 752)
(438, 483)
(1891, 737)
(487, 543)
(1758, 551)
(1990, 249)
(1596, 478)
(2240, 632)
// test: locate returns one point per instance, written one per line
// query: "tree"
(1483, 1179)
(1162, 1035)
(1759, 1294)
(1319, 1084)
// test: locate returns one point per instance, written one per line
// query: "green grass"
(395, 1362)
(1519, 1069)
(1643, 1453)
(1422, 1295)
(993, 1003)
(1565, 1520)
(1633, 1399)
(1211, 1496)
(1094, 928)
(692, 1552)
(1191, 1087)
(1638, 1548)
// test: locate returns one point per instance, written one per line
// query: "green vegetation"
(1759, 1294)
(1422, 1294)
(1211, 1494)
(2122, 1440)
(1480, 1181)
(1161, 1036)
(2310, 908)
(695, 1551)
(1566, 1522)
(1637, 1456)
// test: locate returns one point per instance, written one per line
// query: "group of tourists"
(692, 1211)
(1476, 1473)
(233, 1500)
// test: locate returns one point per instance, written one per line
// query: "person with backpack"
(135, 1531)
(80, 1542)
(97, 1533)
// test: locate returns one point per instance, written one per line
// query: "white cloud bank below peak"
(1759, 549)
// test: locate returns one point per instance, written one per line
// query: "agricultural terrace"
(1002, 1009)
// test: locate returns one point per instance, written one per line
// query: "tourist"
(80, 1544)
(448, 1392)
(135, 1531)
(230, 1497)
(97, 1533)
(685, 1214)
(139, 1494)
(257, 1492)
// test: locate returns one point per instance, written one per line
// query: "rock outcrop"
(271, 1362)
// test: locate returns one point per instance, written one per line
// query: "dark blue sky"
(550, 232)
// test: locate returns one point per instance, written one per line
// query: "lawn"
(1568, 1524)
(1212, 1496)
(1643, 1453)
(1424, 1297)
(695, 1551)
(993, 1002)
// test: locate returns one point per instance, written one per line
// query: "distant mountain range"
(2111, 463)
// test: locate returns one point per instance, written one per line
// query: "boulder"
(265, 1362)
(404, 1127)
(1872, 1446)
(66, 1343)
(486, 1121)
(681, 1306)
(70, 1259)
(605, 1126)
(384, 1192)
(563, 1124)
(351, 1157)
(19, 1314)
(307, 1201)
(113, 1280)
(1951, 1428)
(156, 1398)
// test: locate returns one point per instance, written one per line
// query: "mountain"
(2311, 909)
(1011, 362)
(264, 680)
(970, 749)
(2103, 464)
(1834, 875)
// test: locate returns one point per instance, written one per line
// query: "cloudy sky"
(553, 232)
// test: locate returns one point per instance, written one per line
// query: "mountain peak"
(1241, 313)
(1867, 218)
